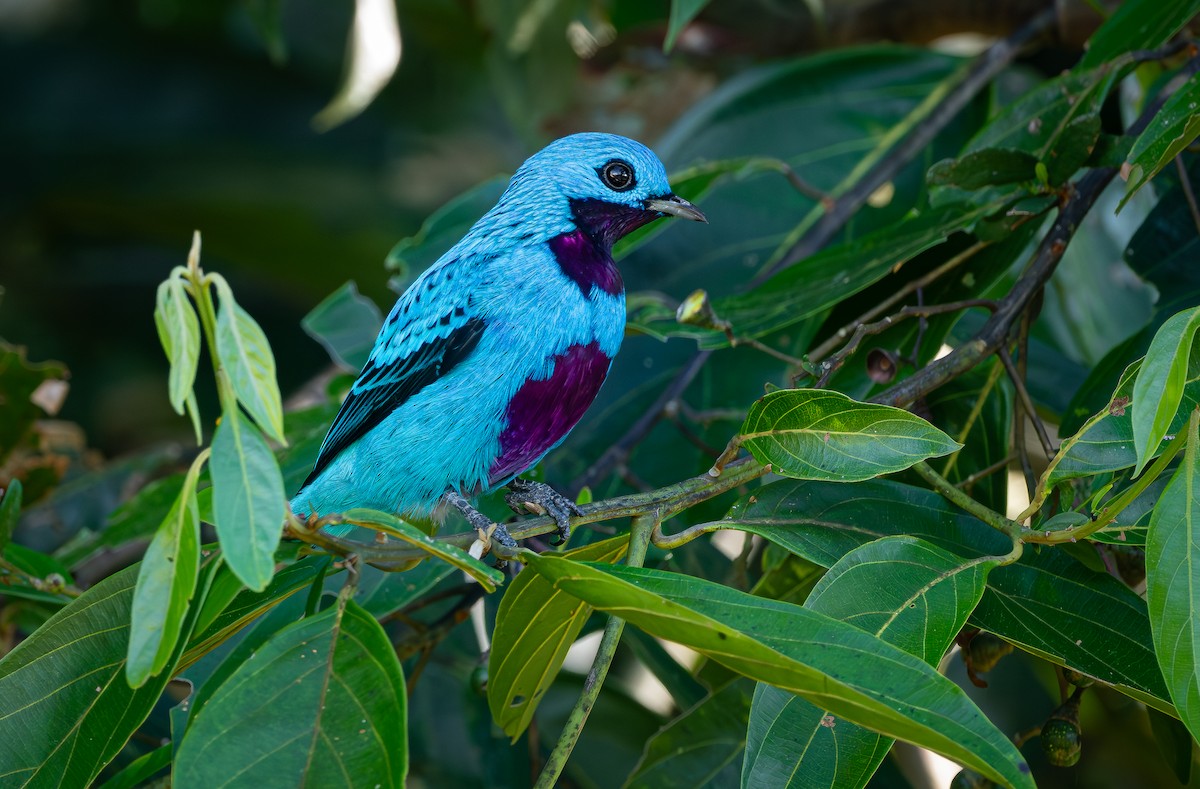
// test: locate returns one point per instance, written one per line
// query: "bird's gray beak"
(675, 206)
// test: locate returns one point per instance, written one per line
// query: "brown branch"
(1186, 184)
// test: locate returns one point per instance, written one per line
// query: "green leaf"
(141, 770)
(1173, 581)
(535, 626)
(824, 435)
(488, 577)
(10, 512)
(1047, 603)
(1105, 441)
(248, 499)
(985, 167)
(1158, 389)
(166, 582)
(1057, 123)
(907, 592)
(828, 662)
(345, 324)
(246, 358)
(65, 707)
(1173, 129)
(179, 332)
(444, 228)
(228, 606)
(682, 12)
(1174, 741)
(1137, 24)
(820, 281)
(322, 703)
(701, 747)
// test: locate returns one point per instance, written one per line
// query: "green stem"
(957, 497)
(639, 540)
(198, 287)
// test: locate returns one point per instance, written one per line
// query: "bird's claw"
(540, 498)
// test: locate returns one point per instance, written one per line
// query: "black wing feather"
(372, 403)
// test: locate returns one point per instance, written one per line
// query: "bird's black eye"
(618, 175)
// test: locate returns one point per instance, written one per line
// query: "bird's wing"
(420, 342)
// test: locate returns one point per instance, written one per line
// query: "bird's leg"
(482, 523)
(540, 498)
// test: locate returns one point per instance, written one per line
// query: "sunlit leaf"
(1158, 389)
(1174, 128)
(824, 435)
(535, 626)
(371, 60)
(166, 582)
(179, 332)
(1173, 581)
(828, 662)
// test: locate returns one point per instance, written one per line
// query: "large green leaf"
(246, 358)
(824, 435)
(322, 703)
(1047, 603)
(1138, 24)
(828, 662)
(907, 592)
(535, 626)
(1173, 581)
(701, 747)
(1158, 389)
(1174, 128)
(345, 323)
(248, 499)
(1057, 123)
(166, 582)
(65, 707)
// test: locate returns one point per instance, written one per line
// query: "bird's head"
(610, 184)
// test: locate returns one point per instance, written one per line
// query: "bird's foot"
(494, 532)
(541, 499)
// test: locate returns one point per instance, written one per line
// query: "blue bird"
(490, 358)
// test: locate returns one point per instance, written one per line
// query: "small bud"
(1077, 679)
(696, 310)
(479, 679)
(1061, 742)
(982, 653)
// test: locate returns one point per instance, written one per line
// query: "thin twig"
(1027, 403)
(639, 541)
(1186, 183)
(834, 362)
(965, 485)
(838, 337)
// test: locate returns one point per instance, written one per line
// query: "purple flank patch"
(542, 412)
(586, 263)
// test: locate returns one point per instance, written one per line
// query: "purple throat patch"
(543, 411)
(586, 263)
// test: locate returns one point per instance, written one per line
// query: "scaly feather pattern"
(490, 358)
